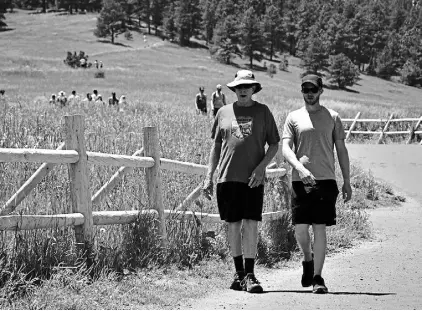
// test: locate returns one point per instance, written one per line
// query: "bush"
(411, 73)
(74, 60)
(99, 74)
(342, 71)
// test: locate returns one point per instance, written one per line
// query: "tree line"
(379, 37)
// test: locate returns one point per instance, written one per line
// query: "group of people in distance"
(218, 100)
(91, 98)
(240, 133)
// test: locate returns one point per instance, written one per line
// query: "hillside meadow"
(160, 80)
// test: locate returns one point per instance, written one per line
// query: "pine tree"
(109, 23)
(315, 57)
(226, 40)
(251, 36)
(273, 33)
(342, 71)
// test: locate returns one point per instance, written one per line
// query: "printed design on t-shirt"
(242, 127)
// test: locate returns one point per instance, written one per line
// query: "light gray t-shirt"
(313, 135)
(243, 133)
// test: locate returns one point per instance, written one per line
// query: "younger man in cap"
(314, 130)
(201, 102)
(241, 131)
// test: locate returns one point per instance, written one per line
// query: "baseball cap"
(314, 79)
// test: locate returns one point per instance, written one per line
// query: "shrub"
(342, 71)
(411, 73)
(99, 74)
(74, 60)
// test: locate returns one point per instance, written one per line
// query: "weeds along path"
(383, 273)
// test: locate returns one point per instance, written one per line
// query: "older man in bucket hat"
(241, 131)
(315, 130)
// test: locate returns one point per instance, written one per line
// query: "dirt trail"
(384, 273)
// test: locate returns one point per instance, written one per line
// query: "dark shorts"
(314, 204)
(214, 111)
(237, 201)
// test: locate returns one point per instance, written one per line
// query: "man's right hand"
(208, 188)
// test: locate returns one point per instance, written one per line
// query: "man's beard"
(312, 101)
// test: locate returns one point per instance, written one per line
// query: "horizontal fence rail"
(73, 153)
(413, 130)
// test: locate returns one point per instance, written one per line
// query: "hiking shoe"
(308, 272)
(251, 284)
(238, 278)
(319, 285)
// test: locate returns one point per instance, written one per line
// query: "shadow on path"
(330, 293)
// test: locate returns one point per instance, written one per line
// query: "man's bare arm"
(214, 158)
(258, 174)
(344, 161)
(304, 174)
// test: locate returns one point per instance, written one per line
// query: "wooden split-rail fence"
(413, 130)
(73, 152)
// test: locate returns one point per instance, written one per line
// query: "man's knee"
(301, 231)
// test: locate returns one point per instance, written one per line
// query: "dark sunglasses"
(306, 90)
(244, 86)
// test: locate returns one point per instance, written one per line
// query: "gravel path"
(384, 273)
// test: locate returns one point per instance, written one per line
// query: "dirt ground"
(383, 273)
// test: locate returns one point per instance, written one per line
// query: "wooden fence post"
(153, 177)
(413, 130)
(385, 129)
(352, 126)
(79, 181)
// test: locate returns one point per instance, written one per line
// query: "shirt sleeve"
(272, 135)
(288, 129)
(338, 133)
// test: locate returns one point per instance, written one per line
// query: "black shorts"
(214, 111)
(314, 204)
(237, 201)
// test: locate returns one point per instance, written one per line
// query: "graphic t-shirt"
(314, 134)
(243, 133)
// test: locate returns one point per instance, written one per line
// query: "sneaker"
(238, 278)
(308, 272)
(319, 285)
(251, 284)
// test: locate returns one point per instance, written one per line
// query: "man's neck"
(313, 108)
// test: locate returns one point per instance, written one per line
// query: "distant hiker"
(99, 100)
(218, 100)
(101, 64)
(315, 130)
(94, 95)
(61, 99)
(240, 134)
(96, 64)
(87, 99)
(113, 99)
(122, 100)
(82, 62)
(2, 92)
(53, 99)
(73, 98)
(201, 102)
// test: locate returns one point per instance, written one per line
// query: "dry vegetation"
(41, 269)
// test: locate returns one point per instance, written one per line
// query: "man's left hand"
(347, 192)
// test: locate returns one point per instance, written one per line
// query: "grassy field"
(160, 80)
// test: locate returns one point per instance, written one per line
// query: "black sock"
(238, 263)
(249, 265)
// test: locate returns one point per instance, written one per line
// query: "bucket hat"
(244, 77)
